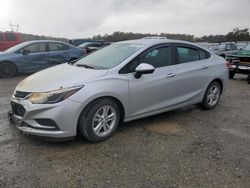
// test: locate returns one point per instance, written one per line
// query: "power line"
(14, 27)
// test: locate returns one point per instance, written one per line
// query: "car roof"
(151, 42)
(37, 41)
(223, 43)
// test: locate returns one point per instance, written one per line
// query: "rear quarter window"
(204, 54)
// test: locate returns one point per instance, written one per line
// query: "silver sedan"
(119, 83)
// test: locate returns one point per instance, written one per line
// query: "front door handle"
(204, 67)
(170, 75)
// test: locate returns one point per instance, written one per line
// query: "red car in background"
(9, 39)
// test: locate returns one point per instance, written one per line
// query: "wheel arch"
(219, 81)
(11, 62)
(115, 99)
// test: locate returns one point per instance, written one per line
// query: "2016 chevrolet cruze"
(119, 83)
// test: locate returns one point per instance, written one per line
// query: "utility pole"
(14, 27)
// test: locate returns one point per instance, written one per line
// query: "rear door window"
(187, 54)
(57, 47)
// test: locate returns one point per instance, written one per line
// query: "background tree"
(238, 35)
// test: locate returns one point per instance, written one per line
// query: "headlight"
(53, 96)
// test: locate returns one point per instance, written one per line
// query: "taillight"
(230, 65)
(84, 51)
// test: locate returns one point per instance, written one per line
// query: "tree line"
(236, 35)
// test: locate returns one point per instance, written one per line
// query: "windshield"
(110, 56)
(222, 47)
(17, 47)
(247, 47)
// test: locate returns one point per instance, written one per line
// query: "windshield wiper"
(86, 66)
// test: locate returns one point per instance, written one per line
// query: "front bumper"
(47, 120)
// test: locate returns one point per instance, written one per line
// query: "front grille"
(18, 109)
(21, 94)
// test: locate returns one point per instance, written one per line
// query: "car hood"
(61, 76)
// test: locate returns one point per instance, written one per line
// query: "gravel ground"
(189, 147)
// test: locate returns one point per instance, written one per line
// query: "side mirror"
(143, 68)
(25, 52)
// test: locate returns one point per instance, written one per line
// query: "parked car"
(32, 56)
(239, 62)
(9, 39)
(224, 48)
(213, 47)
(119, 83)
(89, 47)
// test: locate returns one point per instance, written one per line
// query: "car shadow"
(124, 127)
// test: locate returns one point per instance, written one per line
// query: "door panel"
(152, 91)
(191, 78)
(35, 59)
(58, 53)
(34, 62)
(192, 74)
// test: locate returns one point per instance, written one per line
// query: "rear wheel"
(212, 95)
(99, 120)
(7, 69)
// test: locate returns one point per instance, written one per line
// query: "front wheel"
(7, 70)
(212, 95)
(99, 120)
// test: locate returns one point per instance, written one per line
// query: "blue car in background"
(32, 56)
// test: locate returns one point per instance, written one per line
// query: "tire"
(223, 56)
(231, 74)
(212, 96)
(94, 124)
(7, 70)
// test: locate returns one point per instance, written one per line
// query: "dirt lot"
(184, 148)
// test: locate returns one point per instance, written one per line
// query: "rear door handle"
(170, 75)
(204, 67)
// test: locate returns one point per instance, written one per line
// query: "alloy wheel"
(104, 120)
(213, 95)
